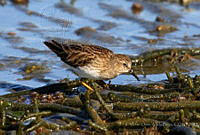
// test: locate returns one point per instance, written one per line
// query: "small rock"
(136, 8)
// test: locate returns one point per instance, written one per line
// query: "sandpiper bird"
(91, 61)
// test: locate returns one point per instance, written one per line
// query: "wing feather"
(76, 53)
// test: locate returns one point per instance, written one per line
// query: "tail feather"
(54, 46)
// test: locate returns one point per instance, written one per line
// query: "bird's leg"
(99, 82)
(84, 82)
(87, 86)
(89, 90)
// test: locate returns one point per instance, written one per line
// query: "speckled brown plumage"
(77, 54)
(90, 61)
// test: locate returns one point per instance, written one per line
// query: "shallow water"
(24, 28)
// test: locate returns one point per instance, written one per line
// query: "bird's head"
(124, 65)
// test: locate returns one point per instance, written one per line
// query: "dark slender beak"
(132, 73)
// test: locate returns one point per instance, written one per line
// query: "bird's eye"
(125, 64)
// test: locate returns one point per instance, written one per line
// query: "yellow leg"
(87, 86)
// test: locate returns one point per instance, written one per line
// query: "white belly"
(85, 72)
